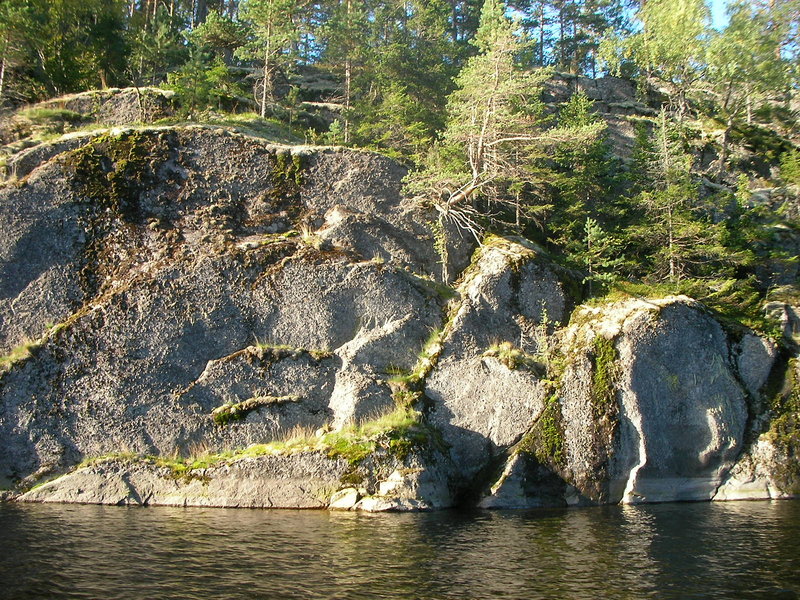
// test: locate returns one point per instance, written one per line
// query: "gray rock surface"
(153, 280)
(160, 304)
(789, 318)
(683, 411)
(481, 404)
(292, 481)
(670, 423)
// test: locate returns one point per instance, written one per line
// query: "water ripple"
(736, 550)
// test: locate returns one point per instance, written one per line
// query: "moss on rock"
(545, 440)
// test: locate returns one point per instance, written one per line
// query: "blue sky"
(718, 18)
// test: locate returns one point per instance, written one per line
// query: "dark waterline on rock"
(720, 550)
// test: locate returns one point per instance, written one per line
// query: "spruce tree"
(678, 240)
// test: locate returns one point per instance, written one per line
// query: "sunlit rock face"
(181, 292)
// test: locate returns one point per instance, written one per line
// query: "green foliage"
(604, 374)
(734, 302)
(790, 167)
(585, 180)
(669, 48)
(60, 46)
(156, 49)
(44, 116)
(784, 431)
(742, 64)
(18, 354)
(426, 361)
(397, 124)
(673, 236)
(400, 92)
(237, 411)
(515, 358)
(219, 33)
(273, 32)
(495, 140)
(111, 170)
(545, 440)
(203, 82)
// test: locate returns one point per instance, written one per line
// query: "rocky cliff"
(193, 316)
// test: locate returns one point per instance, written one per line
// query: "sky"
(718, 18)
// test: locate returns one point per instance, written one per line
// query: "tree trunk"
(202, 11)
(561, 55)
(454, 17)
(726, 140)
(672, 266)
(348, 80)
(2, 77)
(348, 76)
(267, 81)
(541, 35)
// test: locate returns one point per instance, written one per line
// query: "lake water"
(722, 550)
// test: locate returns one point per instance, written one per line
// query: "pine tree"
(678, 239)
(599, 255)
(401, 104)
(585, 173)
(273, 33)
(669, 50)
(157, 47)
(345, 40)
(219, 34)
(495, 133)
(744, 68)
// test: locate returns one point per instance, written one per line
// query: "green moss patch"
(736, 303)
(111, 170)
(784, 431)
(19, 354)
(226, 413)
(604, 375)
(397, 434)
(545, 440)
(426, 361)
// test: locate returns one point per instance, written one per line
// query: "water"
(732, 550)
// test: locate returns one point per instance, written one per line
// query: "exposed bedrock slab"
(155, 309)
(681, 406)
(294, 481)
(481, 403)
(654, 406)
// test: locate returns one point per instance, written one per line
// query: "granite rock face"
(188, 285)
(170, 293)
(296, 481)
(483, 402)
(654, 405)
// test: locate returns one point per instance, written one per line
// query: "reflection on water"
(735, 550)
